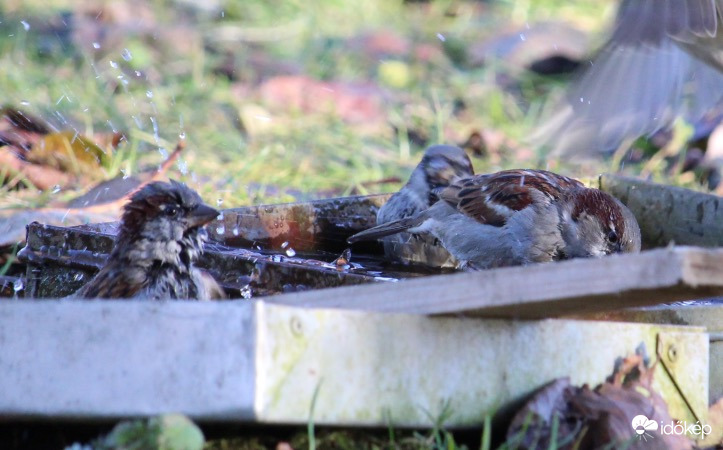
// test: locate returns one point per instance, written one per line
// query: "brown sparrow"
(660, 52)
(440, 165)
(518, 217)
(161, 235)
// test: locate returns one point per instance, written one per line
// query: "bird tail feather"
(385, 229)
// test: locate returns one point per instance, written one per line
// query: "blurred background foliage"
(285, 100)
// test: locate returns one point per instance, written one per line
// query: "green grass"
(181, 92)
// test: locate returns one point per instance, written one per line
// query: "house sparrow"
(440, 165)
(160, 237)
(663, 59)
(519, 217)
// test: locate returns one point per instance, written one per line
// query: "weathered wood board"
(250, 361)
(541, 290)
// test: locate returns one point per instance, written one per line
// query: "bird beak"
(201, 215)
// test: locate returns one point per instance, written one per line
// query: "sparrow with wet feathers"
(161, 235)
(440, 165)
(517, 217)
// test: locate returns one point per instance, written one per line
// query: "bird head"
(440, 166)
(594, 223)
(163, 211)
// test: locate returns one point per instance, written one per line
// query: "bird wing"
(110, 282)
(491, 199)
(635, 85)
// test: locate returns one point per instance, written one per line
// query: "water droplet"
(223, 13)
(96, 45)
(56, 189)
(235, 231)
(18, 285)
(182, 135)
(246, 291)
(126, 54)
(149, 94)
(219, 202)
(25, 25)
(114, 64)
(220, 229)
(285, 244)
(522, 37)
(182, 166)
(277, 258)
(78, 276)
(290, 252)
(112, 127)
(219, 217)
(138, 73)
(125, 174)
(24, 102)
(155, 129)
(441, 37)
(163, 152)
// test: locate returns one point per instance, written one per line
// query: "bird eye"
(170, 211)
(612, 236)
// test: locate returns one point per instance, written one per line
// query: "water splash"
(126, 54)
(18, 285)
(25, 25)
(246, 292)
(155, 129)
(182, 166)
(96, 45)
(56, 189)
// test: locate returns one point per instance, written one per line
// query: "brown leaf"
(42, 177)
(715, 420)
(353, 103)
(596, 418)
(24, 121)
(381, 43)
(68, 151)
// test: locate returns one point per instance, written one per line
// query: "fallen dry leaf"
(42, 177)
(596, 418)
(68, 151)
(353, 103)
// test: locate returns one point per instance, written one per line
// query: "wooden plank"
(250, 361)
(541, 290)
(669, 213)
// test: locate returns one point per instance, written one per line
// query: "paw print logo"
(642, 425)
